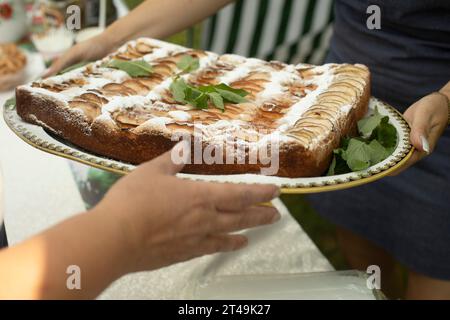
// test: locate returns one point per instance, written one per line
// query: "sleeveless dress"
(409, 57)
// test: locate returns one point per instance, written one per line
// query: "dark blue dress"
(409, 57)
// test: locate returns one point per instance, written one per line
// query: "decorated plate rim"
(37, 137)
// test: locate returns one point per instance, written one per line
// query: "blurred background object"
(95, 10)
(97, 15)
(13, 25)
(40, 31)
(12, 66)
(49, 32)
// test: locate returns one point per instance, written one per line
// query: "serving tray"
(41, 139)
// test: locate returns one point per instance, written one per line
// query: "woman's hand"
(167, 220)
(148, 220)
(89, 50)
(428, 119)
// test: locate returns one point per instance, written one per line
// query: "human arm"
(161, 18)
(149, 219)
(153, 18)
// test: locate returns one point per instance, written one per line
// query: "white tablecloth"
(39, 191)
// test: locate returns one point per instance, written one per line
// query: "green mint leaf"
(386, 134)
(360, 155)
(377, 152)
(357, 155)
(239, 92)
(231, 96)
(207, 89)
(358, 165)
(178, 88)
(390, 151)
(135, 68)
(377, 141)
(73, 67)
(200, 97)
(344, 144)
(338, 164)
(192, 93)
(189, 95)
(332, 167)
(201, 102)
(217, 100)
(367, 125)
(188, 64)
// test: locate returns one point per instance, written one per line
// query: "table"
(39, 191)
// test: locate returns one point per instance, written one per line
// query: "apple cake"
(130, 105)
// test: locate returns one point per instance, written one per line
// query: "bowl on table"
(13, 22)
(12, 66)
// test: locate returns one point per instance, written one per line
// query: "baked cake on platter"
(133, 116)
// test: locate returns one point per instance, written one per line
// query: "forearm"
(161, 18)
(37, 268)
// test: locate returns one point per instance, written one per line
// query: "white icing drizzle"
(296, 110)
(122, 102)
(178, 115)
(243, 68)
(208, 60)
(56, 96)
(277, 85)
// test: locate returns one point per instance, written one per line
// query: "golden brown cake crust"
(295, 160)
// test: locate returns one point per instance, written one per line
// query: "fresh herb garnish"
(188, 64)
(201, 96)
(217, 100)
(230, 94)
(178, 88)
(135, 68)
(377, 141)
(73, 67)
(385, 134)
